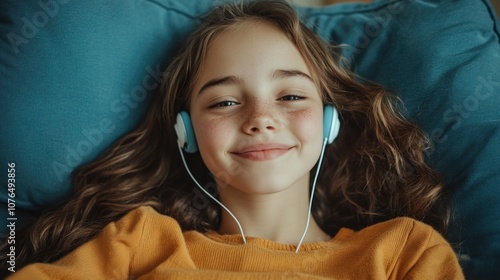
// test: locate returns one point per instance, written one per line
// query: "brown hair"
(374, 171)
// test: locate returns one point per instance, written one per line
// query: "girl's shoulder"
(145, 213)
(409, 246)
(145, 220)
(403, 231)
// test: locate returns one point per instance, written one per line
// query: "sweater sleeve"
(108, 256)
(437, 262)
(434, 259)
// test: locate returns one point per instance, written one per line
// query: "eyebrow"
(283, 74)
(276, 75)
(228, 80)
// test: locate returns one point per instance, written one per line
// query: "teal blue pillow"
(76, 75)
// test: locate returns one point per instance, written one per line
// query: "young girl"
(240, 117)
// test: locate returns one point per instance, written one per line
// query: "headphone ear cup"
(331, 123)
(186, 138)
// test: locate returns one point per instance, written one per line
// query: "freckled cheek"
(213, 135)
(308, 126)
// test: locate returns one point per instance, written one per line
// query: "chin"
(266, 186)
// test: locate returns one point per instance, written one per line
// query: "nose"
(261, 118)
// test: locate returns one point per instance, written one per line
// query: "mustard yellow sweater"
(147, 245)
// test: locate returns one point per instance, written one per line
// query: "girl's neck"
(280, 217)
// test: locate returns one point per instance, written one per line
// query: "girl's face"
(256, 112)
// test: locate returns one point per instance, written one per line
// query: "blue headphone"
(186, 139)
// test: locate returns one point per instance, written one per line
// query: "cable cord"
(207, 193)
(312, 195)
(234, 217)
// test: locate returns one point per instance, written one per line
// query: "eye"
(292, 97)
(225, 103)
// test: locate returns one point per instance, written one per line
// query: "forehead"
(252, 37)
(249, 48)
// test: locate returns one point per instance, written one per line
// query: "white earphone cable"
(234, 217)
(207, 193)
(312, 195)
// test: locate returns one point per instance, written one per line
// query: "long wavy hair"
(373, 172)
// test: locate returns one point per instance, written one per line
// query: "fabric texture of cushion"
(77, 75)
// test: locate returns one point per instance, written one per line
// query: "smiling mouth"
(262, 153)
